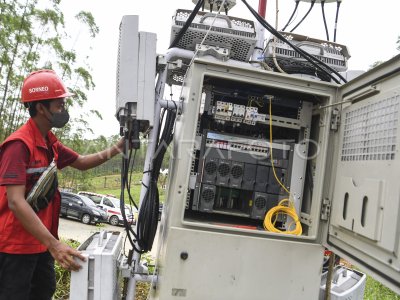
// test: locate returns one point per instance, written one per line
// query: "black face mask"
(58, 119)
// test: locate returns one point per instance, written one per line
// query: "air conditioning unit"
(99, 278)
(280, 55)
(238, 36)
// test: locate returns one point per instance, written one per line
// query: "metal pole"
(257, 55)
(171, 104)
(328, 283)
(262, 7)
(162, 79)
(151, 148)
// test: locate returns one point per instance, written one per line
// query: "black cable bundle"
(148, 217)
(125, 183)
(336, 19)
(305, 16)
(164, 141)
(148, 214)
(291, 17)
(318, 64)
(324, 18)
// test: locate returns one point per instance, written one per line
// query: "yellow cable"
(287, 209)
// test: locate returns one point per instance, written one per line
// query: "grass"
(63, 277)
(374, 290)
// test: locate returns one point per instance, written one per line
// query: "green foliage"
(49, 16)
(85, 75)
(142, 290)
(32, 36)
(87, 18)
(149, 260)
(76, 180)
(63, 277)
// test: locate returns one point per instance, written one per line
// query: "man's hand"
(64, 255)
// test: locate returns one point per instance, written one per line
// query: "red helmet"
(42, 85)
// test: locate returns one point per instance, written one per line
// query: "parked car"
(81, 208)
(112, 206)
(134, 212)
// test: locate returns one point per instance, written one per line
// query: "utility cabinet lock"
(335, 120)
(326, 209)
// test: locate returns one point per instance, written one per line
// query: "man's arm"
(85, 162)
(61, 252)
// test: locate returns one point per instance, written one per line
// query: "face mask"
(58, 119)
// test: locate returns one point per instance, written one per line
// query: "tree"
(32, 38)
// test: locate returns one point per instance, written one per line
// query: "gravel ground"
(76, 230)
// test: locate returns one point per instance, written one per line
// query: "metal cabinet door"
(364, 223)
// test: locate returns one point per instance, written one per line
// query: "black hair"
(32, 106)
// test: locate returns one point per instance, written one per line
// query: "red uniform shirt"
(23, 157)
(15, 159)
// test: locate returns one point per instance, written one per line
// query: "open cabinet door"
(364, 223)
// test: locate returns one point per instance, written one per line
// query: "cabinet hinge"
(326, 209)
(335, 120)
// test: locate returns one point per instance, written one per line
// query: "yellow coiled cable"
(281, 208)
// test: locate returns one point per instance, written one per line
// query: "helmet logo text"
(38, 89)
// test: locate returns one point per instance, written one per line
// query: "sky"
(368, 28)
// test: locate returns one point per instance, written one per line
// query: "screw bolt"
(184, 255)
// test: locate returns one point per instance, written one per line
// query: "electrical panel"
(243, 165)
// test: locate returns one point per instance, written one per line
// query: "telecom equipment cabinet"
(336, 148)
(100, 277)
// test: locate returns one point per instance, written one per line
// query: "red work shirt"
(24, 155)
(15, 159)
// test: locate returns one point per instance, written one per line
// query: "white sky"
(368, 28)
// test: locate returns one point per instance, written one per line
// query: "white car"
(134, 211)
(112, 206)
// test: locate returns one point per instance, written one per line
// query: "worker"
(29, 242)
